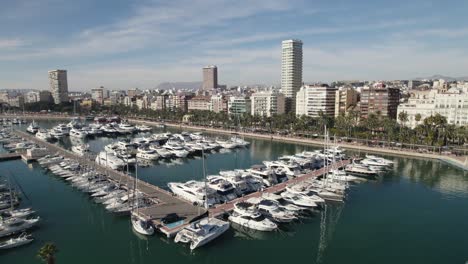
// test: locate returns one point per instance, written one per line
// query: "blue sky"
(123, 44)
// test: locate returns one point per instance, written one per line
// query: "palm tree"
(47, 253)
(403, 117)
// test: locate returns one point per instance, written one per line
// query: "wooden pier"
(10, 156)
(227, 207)
(165, 202)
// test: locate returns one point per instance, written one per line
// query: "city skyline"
(142, 45)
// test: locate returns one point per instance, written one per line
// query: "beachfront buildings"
(314, 100)
(99, 94)
(452, 104)
(380, 100)
(291, 71)
(267, 103)
(199, 103)
(346, 99)
(210, 77)
(58, 85)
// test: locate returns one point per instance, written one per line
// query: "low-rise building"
(452, 104)
(199, 103)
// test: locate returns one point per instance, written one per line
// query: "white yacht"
(147, 154)
(273, 210)
(16, 225)
(227, 144)
(193, 191)
(77, 133)
(109, 160)
(81, 149)
(247, 215)
(33, 127)
(176, 150)
(224, 189)
(23, 239)
(141, 226)
(126, 127)
(162, 152)
(387, 162)
(143, 128)
(201, 232)
(44, 135)
(298, 199)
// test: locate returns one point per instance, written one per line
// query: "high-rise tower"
(291, 71)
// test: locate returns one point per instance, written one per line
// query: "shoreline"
(444, 158)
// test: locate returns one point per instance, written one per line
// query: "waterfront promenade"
(458, 161)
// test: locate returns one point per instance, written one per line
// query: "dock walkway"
(165, 202)
(227, 207)
(10, 156)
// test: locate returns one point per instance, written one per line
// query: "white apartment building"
(313, 99)
(239, 105)
(32, 97)
(291, 70)
(267, 103)
(99, 94)
(58, 85)
(452, 104)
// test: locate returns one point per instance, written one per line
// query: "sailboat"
(205, 230)
(139, 225)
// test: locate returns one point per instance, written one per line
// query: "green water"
(417, 213)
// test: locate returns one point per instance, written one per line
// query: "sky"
(126, 44)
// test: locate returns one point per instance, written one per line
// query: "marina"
(158, 175)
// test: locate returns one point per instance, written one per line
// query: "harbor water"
(415, 213)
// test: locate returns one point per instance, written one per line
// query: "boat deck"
(165, 202)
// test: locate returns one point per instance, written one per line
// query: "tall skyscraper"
(58, 85)
(291, 71)
(210, 77)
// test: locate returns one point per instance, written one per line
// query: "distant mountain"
(179, 85)
(447, 78)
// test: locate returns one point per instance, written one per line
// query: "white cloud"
(10, 43)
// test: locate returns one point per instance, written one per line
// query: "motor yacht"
(23, 239)
(273, 210)
(109, 160)
(193, 191)
(298, 199)
(126, 127)
(78, 133)
(81, 149)
(44, 135)
(147, 154)
(33, 127)
(224, 189)
(176, 150)
(143, 128)
(247, 215)
(202, 232)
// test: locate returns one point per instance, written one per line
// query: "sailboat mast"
(204, 177)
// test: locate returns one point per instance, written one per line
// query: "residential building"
(16, 101)
(291, 71)
(218, 103)
(267, 103)
(210, 77)
(142, 102)
(58, 86)
(239, 105)
(380, 100)
(199, 103)
(32, 97)
(133, 92)
(99, 94)
(314, 100)
(452, 104)
(345, 100)
(180, 101)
